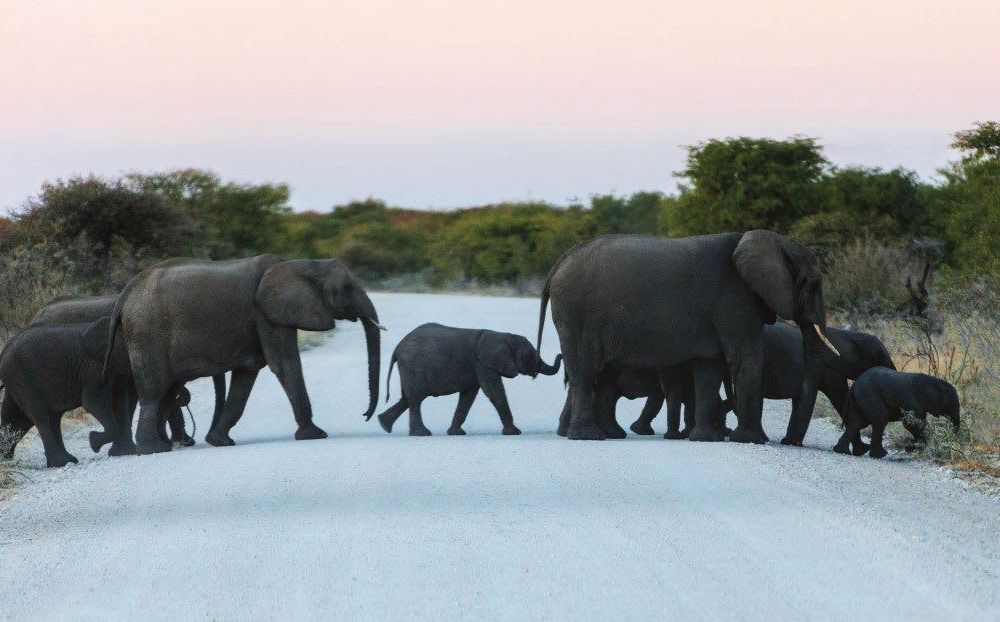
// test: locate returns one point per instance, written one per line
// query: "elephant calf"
(50, 369)
(439, 360)
(882, 395)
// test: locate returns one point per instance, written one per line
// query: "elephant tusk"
(825, 341)
(376, 324)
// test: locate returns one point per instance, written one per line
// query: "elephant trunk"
(550, 370)
(955, 420)
(373, 342)
(812, 351)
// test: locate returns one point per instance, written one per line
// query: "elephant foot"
(878, 452)
(155, 446)
(704, 434)
(860, 448)
(122, 449)
(563, 430)
(675, 435)
(642, 429)
(386, 422)
(453, 431)
(60, 460)
(182, 440)
(421, 431)
(585, 433)
(842, 448)
(742, 435)
(791, 441)
(98, 440)
(309, 432)
(219, 439)
(615, 433)
(510, 430)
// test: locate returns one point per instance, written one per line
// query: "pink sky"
(439, 103)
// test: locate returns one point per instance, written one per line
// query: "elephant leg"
(707, 375)
(465, 400)
(745, 365)
(643, 425)
(387, 418)
(13, 419)
(148, 433)
(582, 425)
(124, 405)
(99, 402)
(175, 419)
(566, 415)
(851, 432)
(675, 401)
(877, 450)
(49, 430)
(606, 404)
(281, 351)
(240, 385)
(417, 427)
(492, 385)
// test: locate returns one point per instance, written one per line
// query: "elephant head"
(859, 352)
(312, 295)
(786, 277)
(510, 355)
(94, 344)
(940, 398)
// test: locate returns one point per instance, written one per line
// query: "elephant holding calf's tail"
(184, 319)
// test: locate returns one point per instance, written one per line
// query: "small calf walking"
(437, 360)
(881, 395)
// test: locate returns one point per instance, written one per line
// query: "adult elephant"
(87, 309)
(644, 302)
(783, 365)
(184, 319)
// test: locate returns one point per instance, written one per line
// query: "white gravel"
(366, 525)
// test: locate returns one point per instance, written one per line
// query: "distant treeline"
(94, 232)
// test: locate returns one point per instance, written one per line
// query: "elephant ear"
(289, 295)
(94, 343)
(761, 260)
(493, 351)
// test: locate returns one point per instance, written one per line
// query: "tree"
(970, 197)
(639, 213)
(92, 216)
(738, 184)
(239, 219)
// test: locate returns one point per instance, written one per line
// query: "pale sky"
(443, 103)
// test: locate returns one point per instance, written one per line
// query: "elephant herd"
(670, 320)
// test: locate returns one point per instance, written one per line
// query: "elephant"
(437, 360)
(48, 369)
(882, 395)
(783, 365)
(70, 310)
(646, 302)
(184, 318)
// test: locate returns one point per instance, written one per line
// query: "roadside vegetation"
(914, 261)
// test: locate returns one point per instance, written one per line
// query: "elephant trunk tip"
(553, 369)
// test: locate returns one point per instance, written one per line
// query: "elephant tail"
(392, 362)
(116, 319)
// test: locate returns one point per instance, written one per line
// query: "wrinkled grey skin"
(783, 365)
(883, 395)
(644, 302)
(439, 360)
(184, 319)
(91, 308)
(48, 370)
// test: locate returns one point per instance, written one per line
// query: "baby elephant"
(50, 369)
(439, 360)
(881, 395)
